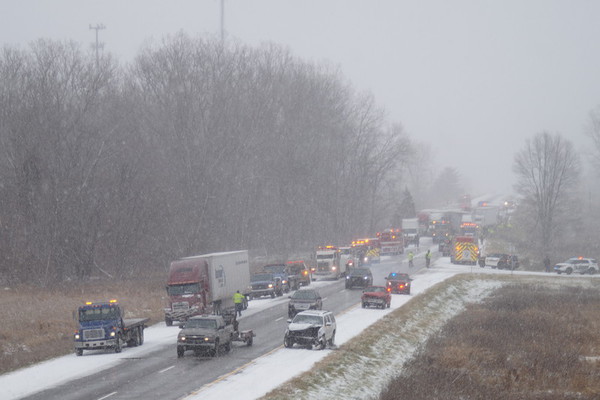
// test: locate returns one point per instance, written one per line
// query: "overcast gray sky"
(473, 78)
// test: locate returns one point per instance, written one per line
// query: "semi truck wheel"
(141, 335)
(180, 351)
(168, 321)
(79, 352)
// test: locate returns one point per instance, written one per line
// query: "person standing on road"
(410, 259)
(428, 258)
(547, 263)
(238, 300)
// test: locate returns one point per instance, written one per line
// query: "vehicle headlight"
(270, 285)
(181, 338)
(284, 281)
(112, 334)
(77, 336)
(366, 277)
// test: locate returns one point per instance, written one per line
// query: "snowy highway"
(154, 371)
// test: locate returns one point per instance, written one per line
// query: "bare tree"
(547, 168)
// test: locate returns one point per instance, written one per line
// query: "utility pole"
(98, 45)
(222, 21)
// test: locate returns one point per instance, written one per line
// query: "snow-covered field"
(254, 379)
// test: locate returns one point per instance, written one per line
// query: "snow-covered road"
(253, 379)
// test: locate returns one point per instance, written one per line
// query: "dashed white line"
(166, 369)
(108, 395)
(279, 319)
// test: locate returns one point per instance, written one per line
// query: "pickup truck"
(101, 326)
(211, 334)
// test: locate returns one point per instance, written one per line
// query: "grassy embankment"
(533, 338)
(37, 324)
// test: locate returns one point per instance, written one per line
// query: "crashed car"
(359, 277)
(578, 265)
(376, 296)
(304, 299)
(397, 282)
(311, 328)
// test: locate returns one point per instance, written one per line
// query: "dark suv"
(300, 270)
(304, 299)
(359, 277)
(265, 284)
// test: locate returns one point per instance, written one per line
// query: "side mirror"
(289, 321)
(327, 323)
(181, 326)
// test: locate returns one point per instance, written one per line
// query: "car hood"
(301, 327)
(260, 282)
(197, 332)
(564, 265)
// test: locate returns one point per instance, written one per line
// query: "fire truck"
(328, 263)
(464, 250)
(369, 250)
(392, 242)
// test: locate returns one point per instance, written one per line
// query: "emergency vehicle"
(391, 241)
(328, 263)
(464, 250)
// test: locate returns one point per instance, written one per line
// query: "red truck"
(205, 284)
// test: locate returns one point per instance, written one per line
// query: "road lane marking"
(166, 369)
(251, 362)
(108, 395)
(279, 319)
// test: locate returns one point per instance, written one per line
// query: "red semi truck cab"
(187, 288)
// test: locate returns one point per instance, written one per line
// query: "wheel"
(79, 352)
(245, 303)
(364, 305)
(118, 345)
(331, 341)
(227, 347)
(135, 340)
(382, 306)
(389, 304)
(216, 349)
(569, 271)
(141, 342)
(592, 271)
(180, 351)
(288, 342)
(249, 341)
(272, 295)
(168, 321)
(322, 343)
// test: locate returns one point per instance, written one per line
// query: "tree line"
(195, 146)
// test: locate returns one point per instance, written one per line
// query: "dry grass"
(525, 342)
(37, 324)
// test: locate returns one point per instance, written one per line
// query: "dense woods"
(195, 146)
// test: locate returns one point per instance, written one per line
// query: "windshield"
(278, 269)
(262, 277)
(304, 294)
(99, 314)
(360, 272)
(324, 256)
(201, 323)
(308, 319)
(187, 288)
